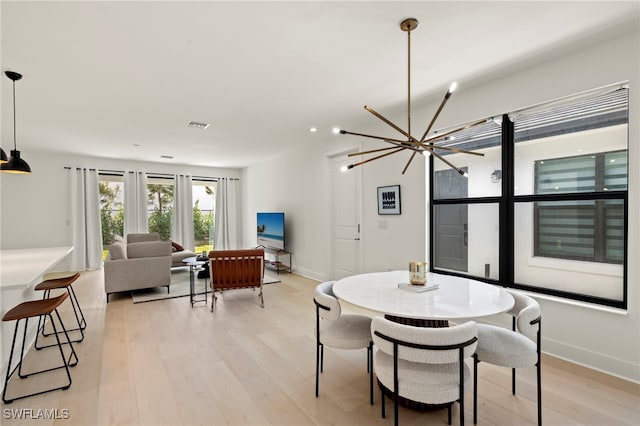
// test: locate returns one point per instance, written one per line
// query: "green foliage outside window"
(202, 225)
(160, 204)
(111, 212)
(160, 222)
(160, 207)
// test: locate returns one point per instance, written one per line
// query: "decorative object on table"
(14, 164)
(418, 288)
(426, 144)
(418, 273)
(389, 199)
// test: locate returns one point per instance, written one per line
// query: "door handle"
(466, 234)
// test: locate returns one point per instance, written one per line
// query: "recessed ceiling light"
(313, 129)
(197, 124)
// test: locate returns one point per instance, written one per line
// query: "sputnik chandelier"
(427, 143)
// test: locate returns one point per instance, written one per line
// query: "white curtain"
(85, 220)
(226, 219)
(182, 226)
(135, 202)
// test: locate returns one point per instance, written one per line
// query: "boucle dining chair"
(423, 364)
(340, 331)
(516, 348)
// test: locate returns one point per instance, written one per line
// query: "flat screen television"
(271, 230)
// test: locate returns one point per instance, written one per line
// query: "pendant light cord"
(408, 81)
(15, 147)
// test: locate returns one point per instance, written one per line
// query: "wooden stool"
(39, 308)
(59, 283)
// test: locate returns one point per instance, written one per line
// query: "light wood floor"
(165, 363)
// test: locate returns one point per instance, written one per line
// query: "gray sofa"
(177, 257)
(142, 261)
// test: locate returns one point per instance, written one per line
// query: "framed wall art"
(389, 199)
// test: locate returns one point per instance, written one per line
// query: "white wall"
(298, 183)
(603, 339)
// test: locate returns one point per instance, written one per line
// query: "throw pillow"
(177, 246)
(117, 251)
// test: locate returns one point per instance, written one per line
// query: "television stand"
(276, 259)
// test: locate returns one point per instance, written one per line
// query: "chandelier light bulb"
(335, 130)
(453, 87)
(343, 169)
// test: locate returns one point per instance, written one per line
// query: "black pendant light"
(15, 164)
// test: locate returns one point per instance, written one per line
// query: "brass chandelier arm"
(409, 162)
(443, 135)
(435, 116)
(447, 148)
(353, 154)
(375, 158)
(438, 156)
(412, 146)
(345, 132)
(381, 117)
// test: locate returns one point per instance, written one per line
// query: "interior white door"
(346, 219)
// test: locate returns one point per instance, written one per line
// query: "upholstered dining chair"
(348, 331)
(423, 364)
(515, 348)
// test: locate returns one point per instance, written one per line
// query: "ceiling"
(122, 79)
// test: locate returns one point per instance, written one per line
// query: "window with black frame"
(546, 209)
(465, 212)
(584, 230)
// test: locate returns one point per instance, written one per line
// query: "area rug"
(179, 287)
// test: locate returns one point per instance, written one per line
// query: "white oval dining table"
(456, 298)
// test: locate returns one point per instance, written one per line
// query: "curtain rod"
(69, 168)
(122, 172)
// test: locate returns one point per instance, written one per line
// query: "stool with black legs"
(62, 283)
(32, 309)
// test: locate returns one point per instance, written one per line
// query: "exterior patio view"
(159, 212)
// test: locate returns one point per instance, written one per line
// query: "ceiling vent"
(198, 125)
